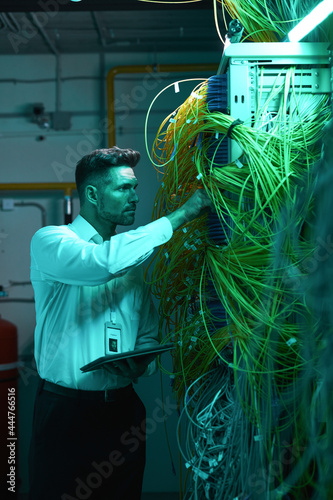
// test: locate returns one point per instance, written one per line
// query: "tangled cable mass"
(234, 309)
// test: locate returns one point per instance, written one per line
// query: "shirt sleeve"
(58, 254)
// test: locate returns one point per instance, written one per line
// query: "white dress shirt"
(71, 267)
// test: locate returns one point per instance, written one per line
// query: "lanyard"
(109, 301)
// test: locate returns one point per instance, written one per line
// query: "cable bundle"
(223, 297)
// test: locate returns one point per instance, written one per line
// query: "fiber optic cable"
(226, 301)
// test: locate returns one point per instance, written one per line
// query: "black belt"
(109, 395)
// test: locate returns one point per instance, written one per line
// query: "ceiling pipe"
(161, 68)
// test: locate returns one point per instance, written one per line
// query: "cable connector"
(197, 96)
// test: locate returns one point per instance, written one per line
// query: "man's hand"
(195, 206)
(131, 367)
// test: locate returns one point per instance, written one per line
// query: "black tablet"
(110, 358)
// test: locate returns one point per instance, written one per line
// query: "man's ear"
(91, 194)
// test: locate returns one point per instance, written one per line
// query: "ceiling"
(64, 26)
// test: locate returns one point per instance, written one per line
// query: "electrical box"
(254, 69)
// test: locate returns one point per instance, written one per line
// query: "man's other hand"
(131, 367)
(195, 206)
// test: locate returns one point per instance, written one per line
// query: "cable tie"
(200, 473)
(166, 255)
(199, 177)
(174, 151)
(179, 187)
(194, 339)
(210, 437)
(258, 437)
(234, 124)
(217, 135)
(188, 121)
(291, 341)
(172, 120)
(238, 163)
(180, 343)
(176, 87)
(184, 229)
(195, 121)
(197, 96)
(193, 248)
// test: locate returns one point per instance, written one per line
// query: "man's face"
(117, 200)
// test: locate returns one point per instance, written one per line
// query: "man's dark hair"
(93, 167)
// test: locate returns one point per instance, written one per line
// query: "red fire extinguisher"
(8, 414)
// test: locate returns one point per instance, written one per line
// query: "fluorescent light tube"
(316, 16)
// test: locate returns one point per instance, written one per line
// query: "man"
(88, 284)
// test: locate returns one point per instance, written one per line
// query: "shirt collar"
(85, 230)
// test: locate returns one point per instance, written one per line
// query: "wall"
(31, 154)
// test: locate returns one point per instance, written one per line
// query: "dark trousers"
(82, 449)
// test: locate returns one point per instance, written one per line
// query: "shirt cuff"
(161, 230)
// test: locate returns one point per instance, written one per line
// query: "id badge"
(112, 338)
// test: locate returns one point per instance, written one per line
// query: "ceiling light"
(316, 16)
